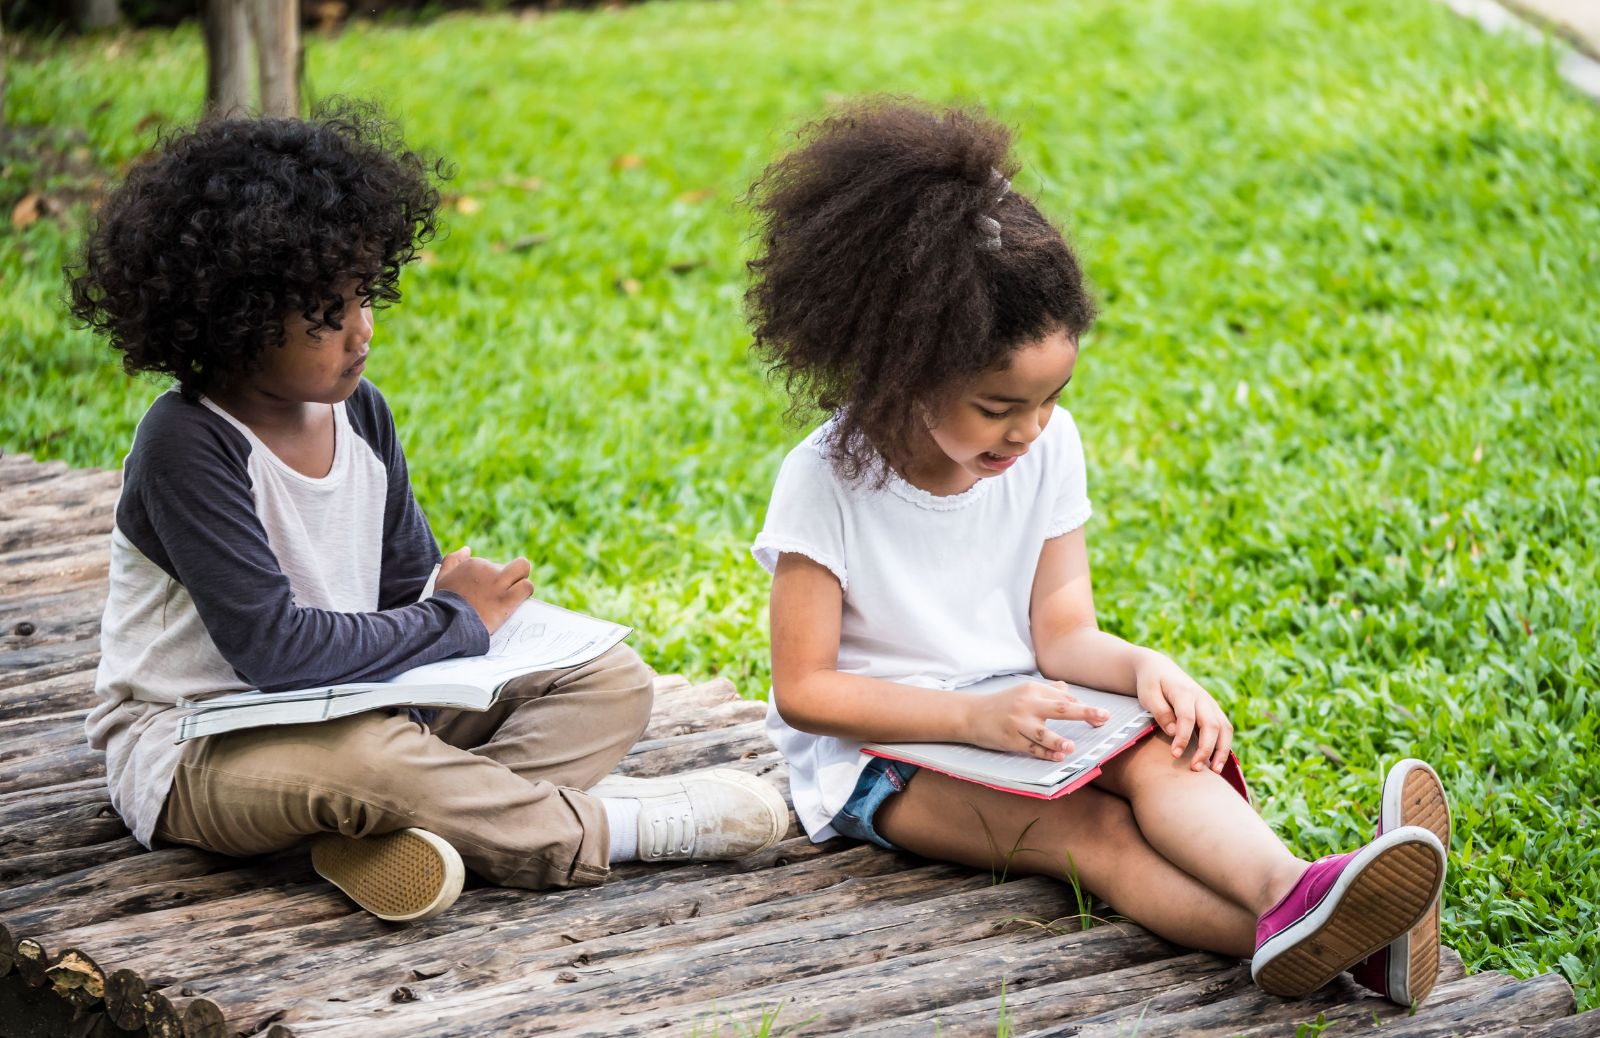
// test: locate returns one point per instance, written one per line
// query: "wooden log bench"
(101, 937)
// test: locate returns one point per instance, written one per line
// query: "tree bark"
(275, 24)
(93, 15)
(227, 28)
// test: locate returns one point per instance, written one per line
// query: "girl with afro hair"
(931, 576)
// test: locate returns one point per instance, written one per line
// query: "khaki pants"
(502, 786)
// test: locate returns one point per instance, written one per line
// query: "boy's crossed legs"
(503, 787)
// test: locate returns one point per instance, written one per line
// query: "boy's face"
(984, 429)
(321, 367)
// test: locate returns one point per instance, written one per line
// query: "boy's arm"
(409, 549)
(187, 506)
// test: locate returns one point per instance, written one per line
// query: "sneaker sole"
(404, 876)
(1381, 894)
(1413, 795)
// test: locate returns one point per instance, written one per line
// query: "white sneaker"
(404, 876)
(711, 815)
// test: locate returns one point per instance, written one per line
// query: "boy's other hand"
(1014, 719)
(493, 591)
(452, 560)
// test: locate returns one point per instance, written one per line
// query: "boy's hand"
(1014, 719)
(493, 591)
(1183, 710)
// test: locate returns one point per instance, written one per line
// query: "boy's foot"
(1344, 908)
(404, 876)
(701, 816)
(1406, 970)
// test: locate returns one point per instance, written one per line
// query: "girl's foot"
(404, 876)
(1344, 908)
(1405, 971)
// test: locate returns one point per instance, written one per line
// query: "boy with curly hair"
(267, 538)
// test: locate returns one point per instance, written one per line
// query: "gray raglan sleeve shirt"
(232, 571)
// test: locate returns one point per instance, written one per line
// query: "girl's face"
(982, 430)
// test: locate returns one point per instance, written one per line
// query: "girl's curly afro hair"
(872, 292)
(192, 264)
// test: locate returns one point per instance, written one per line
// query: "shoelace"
(671, 832)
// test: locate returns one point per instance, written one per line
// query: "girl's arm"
(813, 696)
(1070, 646)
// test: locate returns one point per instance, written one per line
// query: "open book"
(538, 636)
(1020, 773)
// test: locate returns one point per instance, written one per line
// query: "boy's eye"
(992, 414)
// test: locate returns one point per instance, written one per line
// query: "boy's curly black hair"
(872, 293)
(192, 264)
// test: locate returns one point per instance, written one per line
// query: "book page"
(538, 636)
(1090, 744)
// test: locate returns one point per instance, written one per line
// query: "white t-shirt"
(936, 589)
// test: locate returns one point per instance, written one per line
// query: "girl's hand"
(1183, 709)
(494, 592)
(1014, 719)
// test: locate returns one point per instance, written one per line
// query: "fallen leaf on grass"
(467, 205)
(697, 195)
(629, 286)
(34, 207)
(522, 244)
(687, 265)
(628, 161)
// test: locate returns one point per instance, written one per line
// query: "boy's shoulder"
(176, 432)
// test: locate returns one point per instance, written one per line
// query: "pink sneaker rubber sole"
(1417, 798)
(1387, 889)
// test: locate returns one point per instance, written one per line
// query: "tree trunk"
(92, 15)
(227, 29)
(275, 24)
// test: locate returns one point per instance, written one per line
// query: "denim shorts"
(881, 779)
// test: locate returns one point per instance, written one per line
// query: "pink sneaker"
(1344, 908)
(1406, 970)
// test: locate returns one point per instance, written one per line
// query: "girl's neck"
(928, 469)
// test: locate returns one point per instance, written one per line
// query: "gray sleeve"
(409, 549)
(187, 505)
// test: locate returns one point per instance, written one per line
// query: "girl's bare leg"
(1200, 824)
(938, 817)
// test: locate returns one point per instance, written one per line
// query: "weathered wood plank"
(71, 691)
(947, 990)
(1584, 1025)
(648, 924)
(567, 997)
(1253, 1012)
(211, 942)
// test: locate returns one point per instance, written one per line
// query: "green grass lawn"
(1342, 410)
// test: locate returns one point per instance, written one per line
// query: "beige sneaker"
(711, 815)
(404, 876)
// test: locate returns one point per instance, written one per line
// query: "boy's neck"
(263, 412)
(301, 433)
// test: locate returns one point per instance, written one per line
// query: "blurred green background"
(1341, 409)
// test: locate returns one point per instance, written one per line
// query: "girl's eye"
(991, 414)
